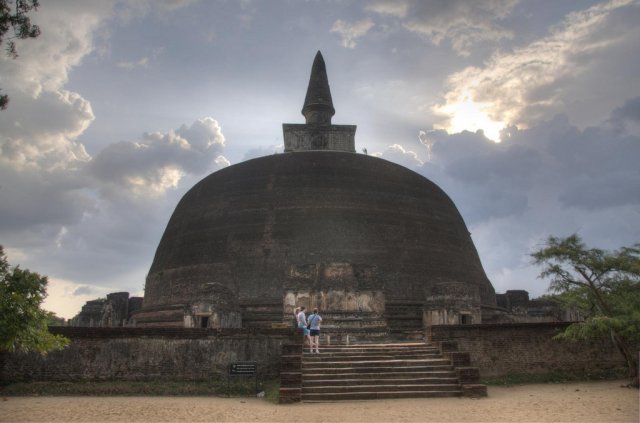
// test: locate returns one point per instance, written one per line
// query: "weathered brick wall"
(300, 137)
(149, 353)
(527, 348)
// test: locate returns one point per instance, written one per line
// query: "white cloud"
(397, 8)
(350, 32)
(41, 132)
(60, 208)
(397, 153)
(43, 120)
(571, 71)
(463, 23)
(222, 161)
(157, 162)
(143, 62)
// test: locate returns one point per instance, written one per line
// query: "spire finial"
(318, 106)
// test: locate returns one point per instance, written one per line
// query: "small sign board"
(280, 325)
(245, 368)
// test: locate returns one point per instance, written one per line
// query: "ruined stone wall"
(499, 350)
(451, 303)
(514, 306)
(90, 315)
(148, 354)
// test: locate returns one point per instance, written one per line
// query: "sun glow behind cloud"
(466, 114)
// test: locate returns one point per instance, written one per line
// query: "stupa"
(378, 248)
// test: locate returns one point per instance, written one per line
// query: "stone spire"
(318, 133)
(318, 106)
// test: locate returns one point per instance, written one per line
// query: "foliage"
(17, 20)
(54, 320)
(603, 286)
(23, 324)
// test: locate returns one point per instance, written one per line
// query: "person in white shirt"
(302, 324)
(295, 317)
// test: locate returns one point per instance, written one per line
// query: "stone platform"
(377, 371)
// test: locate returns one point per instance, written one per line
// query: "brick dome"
(315, 222)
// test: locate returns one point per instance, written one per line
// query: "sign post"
(243, 368)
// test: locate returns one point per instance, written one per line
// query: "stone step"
(376, 363)
(309, 358)
(338, 351)
(376, 369)
(387, 345)
(409, 379)
(375, 395)
(335, 389)
(332, 351)
(393, 350)
(441, 374)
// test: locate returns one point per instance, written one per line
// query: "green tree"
(23, 324)
(17, 20)
(604, 286)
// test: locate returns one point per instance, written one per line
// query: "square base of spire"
(303, 137)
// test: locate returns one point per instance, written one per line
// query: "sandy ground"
(571, 402)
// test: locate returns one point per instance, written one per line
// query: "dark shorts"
(315, 332)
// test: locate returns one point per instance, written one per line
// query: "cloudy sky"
(527, 113)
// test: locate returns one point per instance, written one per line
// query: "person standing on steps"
(302, 324)
(314, 325)
(295, 317)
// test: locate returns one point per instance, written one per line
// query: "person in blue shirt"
(314, 323)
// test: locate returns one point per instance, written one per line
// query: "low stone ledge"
(290, 395)
(290, 363)
(290, 379)
(167, 332)
(474, 390)
(448, 346)
(468, 375)
(290, 349)
(459, 359)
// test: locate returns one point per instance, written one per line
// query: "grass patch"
(555, 377)
(235, 388)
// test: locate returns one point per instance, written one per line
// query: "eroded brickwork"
(527, 348)
(148, 354)
(301, 137)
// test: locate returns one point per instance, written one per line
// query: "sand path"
(571, 402)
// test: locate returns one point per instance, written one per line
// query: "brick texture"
(527, 348)
(148, 354)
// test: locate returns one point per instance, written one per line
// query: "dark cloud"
(626, 115)
(109, 211)
(550, 179)
(550, 162)
(84, 290)
(629, 111)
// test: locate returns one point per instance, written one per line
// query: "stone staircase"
(377, 371)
